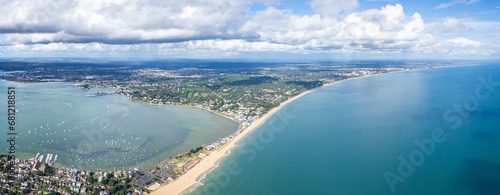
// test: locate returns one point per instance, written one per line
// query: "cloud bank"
(224, 26)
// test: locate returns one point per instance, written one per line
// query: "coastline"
(198, 172)
(191, 178)
(248, 129)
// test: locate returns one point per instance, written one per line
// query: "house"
(201, 155)
(24, 185)
(190, 165)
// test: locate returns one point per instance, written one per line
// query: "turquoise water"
(104, 131)
(346, 138)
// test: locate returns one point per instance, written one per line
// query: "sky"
(290, 29)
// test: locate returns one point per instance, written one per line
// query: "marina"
(106, 131)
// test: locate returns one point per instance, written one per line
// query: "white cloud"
(124, 21)
(382, 30)
(447, 25)
(452, 3)
(170, 27)
(472, 1)
(482, 25)
(463, 42)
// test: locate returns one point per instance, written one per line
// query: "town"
(34, 176)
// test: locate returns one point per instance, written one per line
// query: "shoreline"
(223, 152)
(190, 179)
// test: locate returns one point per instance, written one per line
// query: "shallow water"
(105, 131)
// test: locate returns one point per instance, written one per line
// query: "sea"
(430, 131)
(102, 132)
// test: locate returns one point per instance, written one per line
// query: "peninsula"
(248, 93)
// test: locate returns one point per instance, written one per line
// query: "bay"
(104, 132)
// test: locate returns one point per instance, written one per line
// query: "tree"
(105, 181)
(112, 182)
(90, 179)
(48, 170)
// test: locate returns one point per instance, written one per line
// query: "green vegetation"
(194, 151)
(242, 91)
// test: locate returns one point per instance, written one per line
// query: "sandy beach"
(191, 177)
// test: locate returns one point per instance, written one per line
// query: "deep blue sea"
(431, 131)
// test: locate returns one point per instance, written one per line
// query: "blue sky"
(316, 29)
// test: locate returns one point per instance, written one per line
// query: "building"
(24, 185)
(190, 165)
(37, 165)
